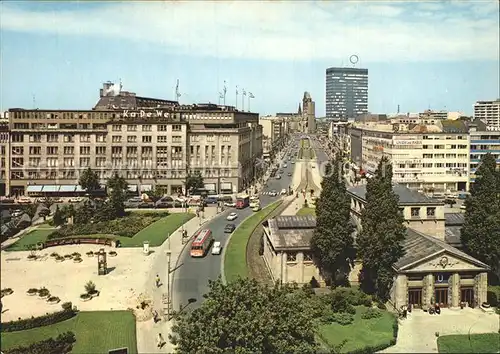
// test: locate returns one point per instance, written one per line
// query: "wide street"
(190, 279)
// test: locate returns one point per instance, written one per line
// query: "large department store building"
(150, 142)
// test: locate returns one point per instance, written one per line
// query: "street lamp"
(169, 296)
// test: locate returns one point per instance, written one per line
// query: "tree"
(30, 210)
(194, 181)
(379, 242)
(84, 213)
(117, 187)
(247, 317)
(332, 241)
(89, 181)
(480, 232)
(155, 194)
(58, 217)
(48, 202)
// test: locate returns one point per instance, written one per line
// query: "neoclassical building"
(431, 271)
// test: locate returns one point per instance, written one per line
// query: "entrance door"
(467, 295)
(415, 298)
(441, 296)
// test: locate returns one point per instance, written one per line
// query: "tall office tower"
(346, 93)
(489, 112)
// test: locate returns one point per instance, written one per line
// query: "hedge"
(63, 344)
(494, 295)
(41, 321)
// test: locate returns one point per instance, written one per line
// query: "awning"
(146, 187)
(50, 189)
(132, 188)
(67, 188)
(79, 189)
(34, 189)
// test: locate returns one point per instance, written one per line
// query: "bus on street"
(201, 243)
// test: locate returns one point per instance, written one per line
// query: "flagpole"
(236, 105)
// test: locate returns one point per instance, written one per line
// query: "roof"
(418, 247)
(291, 231)
(406, 195)
(454, 219)
(454, 126)
(128, 101)
(202, 235)
(452, 235)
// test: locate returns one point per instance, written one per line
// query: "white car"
(283, 191)
(17, 213)
(75, 200)
(232, 216)
(273, 193)
(216, 248)
(230, 204)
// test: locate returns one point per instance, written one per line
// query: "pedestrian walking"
(161, 341)
(158, 281)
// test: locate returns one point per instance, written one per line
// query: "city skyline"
(63, 60)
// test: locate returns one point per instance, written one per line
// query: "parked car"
(146, 205)
(256, 208)
(232, 216)
(216, 248)
(211, 200)
(273, 193)
(16, 213)
(283, 192)
(230, 204)
(75, 200)
(229, 228)
(24, 200)
(278, 177)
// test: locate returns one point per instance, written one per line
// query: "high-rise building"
(488, 111)
(346, 93)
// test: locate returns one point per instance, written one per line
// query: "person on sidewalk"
(161, 341)
(158, 281)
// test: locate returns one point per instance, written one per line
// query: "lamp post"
(169, 296)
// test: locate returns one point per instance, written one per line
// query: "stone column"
(428, 289)
(300, 264)
(283, 267)
(401, 290)
(482, 288)
(455, 289)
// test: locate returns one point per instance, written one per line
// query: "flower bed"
(32, 292)
(53, 300)
(85, 297)
(6, 291)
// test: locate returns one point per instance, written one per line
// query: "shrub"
(494, 295)
(34, 322)
(339, 302)
(32, 291)
(53, 299)
(343, 319)
(371, 313)
(63, 344)
(90, 287)
(67, 305)
(43, 292)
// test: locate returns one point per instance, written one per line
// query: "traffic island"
(235, 263)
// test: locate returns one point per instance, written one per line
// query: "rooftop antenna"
(236, 104)
(224, 91)
(177, 93)
(121, 86)
(398, 109)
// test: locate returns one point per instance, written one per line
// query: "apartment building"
(484, 139)
(4, 155)
(488, 111)
(424, 157)
(150, 142)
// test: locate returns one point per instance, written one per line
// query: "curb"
(223, 274)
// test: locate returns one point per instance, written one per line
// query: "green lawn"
(307, 211)
(156, 233)
(361, 333)
(95, 331)
(32, 237)
(235, 264)
(479, 343)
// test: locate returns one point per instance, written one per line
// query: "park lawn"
(307, 211)
(157, 232)
(32, 237)
(95, 332)
(235, 256)
(361, 333)
(479, 343)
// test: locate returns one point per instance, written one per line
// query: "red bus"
(201, 243)
(242, 201)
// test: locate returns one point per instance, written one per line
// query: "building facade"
(150, 142)
(432, 158)
(308, 114)
(4, 156)
(488, 111)
(274, 132)
(484, 139)
(346, 92)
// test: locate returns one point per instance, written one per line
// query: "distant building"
(308, 114)
(346, 93)
(484, 139)
(274, 131)
(488, 111)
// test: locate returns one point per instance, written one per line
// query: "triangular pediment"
(444, 261)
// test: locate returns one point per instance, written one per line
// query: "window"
(147, 138)
(52, 138)
(162, 138)
(84, 150)
(291, 257)
(177, 139)
(307, 257)
(85, 138)
(35, 138)
(69, 150)
(17, 150)
(51, 150)
(100, 150)
(100, 161)
(69, 162)
(100, 138)
(35, 150)
(431, 212)
(117, 127)
(52, 162)
(116, 139)
(84, 161)
(415, 212)
(131, 139)
(162, 128)
(131, 128)
(176, 128)
(146, 128)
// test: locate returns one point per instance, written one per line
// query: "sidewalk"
(147, 331)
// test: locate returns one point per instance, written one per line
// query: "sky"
(420, 55)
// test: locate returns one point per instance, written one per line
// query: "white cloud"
(283, 30)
